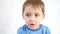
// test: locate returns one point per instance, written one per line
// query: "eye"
(37, 15)
(27, 14)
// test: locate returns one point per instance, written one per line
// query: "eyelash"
(27, 14)
(30, 15)
(36, 14)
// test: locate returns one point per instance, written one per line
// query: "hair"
(34, 3)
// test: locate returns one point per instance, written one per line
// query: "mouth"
(32, 24)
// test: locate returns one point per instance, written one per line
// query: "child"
(33, 13)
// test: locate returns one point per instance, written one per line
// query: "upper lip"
(31, 24)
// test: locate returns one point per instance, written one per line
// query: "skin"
(33, 16)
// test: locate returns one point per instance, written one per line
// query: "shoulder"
(45, 29)
(21, 29)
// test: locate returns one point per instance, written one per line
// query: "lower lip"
(32, 25)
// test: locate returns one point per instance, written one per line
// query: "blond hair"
(34, 3)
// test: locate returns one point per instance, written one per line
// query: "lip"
(32, 24)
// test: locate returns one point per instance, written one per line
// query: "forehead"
(32, 9)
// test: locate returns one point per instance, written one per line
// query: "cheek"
(26, 19)
(39, 19)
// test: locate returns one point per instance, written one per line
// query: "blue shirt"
(25, 30)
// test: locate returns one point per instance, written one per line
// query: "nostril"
(32, 19)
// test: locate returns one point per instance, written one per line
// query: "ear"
(43, 16)
(23, 15)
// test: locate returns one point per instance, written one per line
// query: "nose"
(32, 18)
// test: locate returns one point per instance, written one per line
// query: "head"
(33, 13)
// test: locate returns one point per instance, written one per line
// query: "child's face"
(33, 16)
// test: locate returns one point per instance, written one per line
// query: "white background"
(11, 16)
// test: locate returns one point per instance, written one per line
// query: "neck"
(34, 28)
